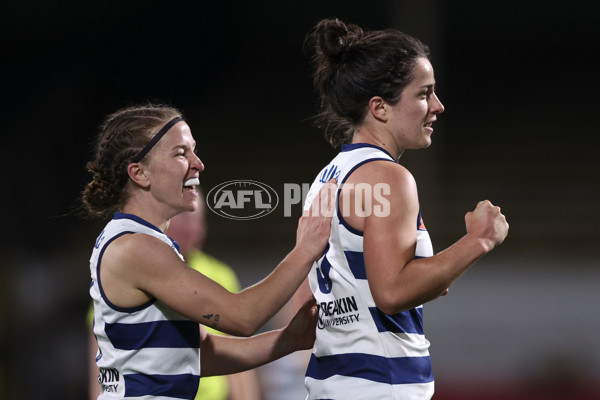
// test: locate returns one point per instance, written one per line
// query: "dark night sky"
(516, 79)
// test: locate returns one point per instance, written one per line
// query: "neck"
(386, 142)
(147, 213)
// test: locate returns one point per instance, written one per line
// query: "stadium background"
(518, 80)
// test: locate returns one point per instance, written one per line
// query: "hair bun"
(333, 38)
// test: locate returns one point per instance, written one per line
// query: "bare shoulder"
(377, 195)
(136, 267)
(397, 176)
(138, 254)
(137, 245)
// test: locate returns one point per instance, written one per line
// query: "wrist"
(286, 342)
(481, 245)
(302, 256)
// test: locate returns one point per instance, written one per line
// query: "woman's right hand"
(314, 226)
(487, 223)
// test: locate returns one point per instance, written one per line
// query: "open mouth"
(191, 183)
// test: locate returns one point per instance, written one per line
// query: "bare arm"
(93, 385)
(244, 386)
(136, 268)
(302, 295)
(221, 355)
(406, 282)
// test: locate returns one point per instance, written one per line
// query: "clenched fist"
(487, 223)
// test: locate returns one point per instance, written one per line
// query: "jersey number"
(323, 274)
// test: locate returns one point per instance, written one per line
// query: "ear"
(378, 108)
(137, 175)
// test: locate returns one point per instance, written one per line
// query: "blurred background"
(519, 83)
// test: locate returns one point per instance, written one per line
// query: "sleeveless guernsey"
(361, 353)
(145, 352)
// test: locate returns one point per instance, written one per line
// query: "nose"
(196, 163)
(436, 106)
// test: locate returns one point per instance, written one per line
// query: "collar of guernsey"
(141, 221)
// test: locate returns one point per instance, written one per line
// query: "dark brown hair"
(352, 66)
(122, 136)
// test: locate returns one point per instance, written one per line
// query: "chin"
(191, 207)
(196, 203)
(423, 145)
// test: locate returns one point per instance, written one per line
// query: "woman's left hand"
(301, 330)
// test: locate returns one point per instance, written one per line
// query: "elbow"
(387, 310)
(241, 329)
(246, 326)
(240, 319)
(388, 306)
(391, 310)
(246, 331)
(391, 305)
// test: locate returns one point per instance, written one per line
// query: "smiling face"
(412, 117)
(172, 170)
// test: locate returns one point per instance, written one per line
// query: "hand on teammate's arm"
(313, 232)
(222, 355)
(314, 227)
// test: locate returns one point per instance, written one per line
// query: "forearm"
(424, 279)
(223, 355)
(302, 295)
(260, 302)
(267, 297)
(94, 386)
(244, 386)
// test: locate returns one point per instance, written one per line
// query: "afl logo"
(242, 199)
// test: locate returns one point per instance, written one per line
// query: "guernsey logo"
(337, 312)
(109, 379)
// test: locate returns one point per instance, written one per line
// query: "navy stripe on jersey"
(323, 273)
(137, 219)
(395, 371)
(356, 262)
(183, 386)
(354, 146)
(155, 334)
(141, 221)
(410, 321)
(420, 221)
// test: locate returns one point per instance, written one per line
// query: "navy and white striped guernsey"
(361, 353)
(145, 352)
